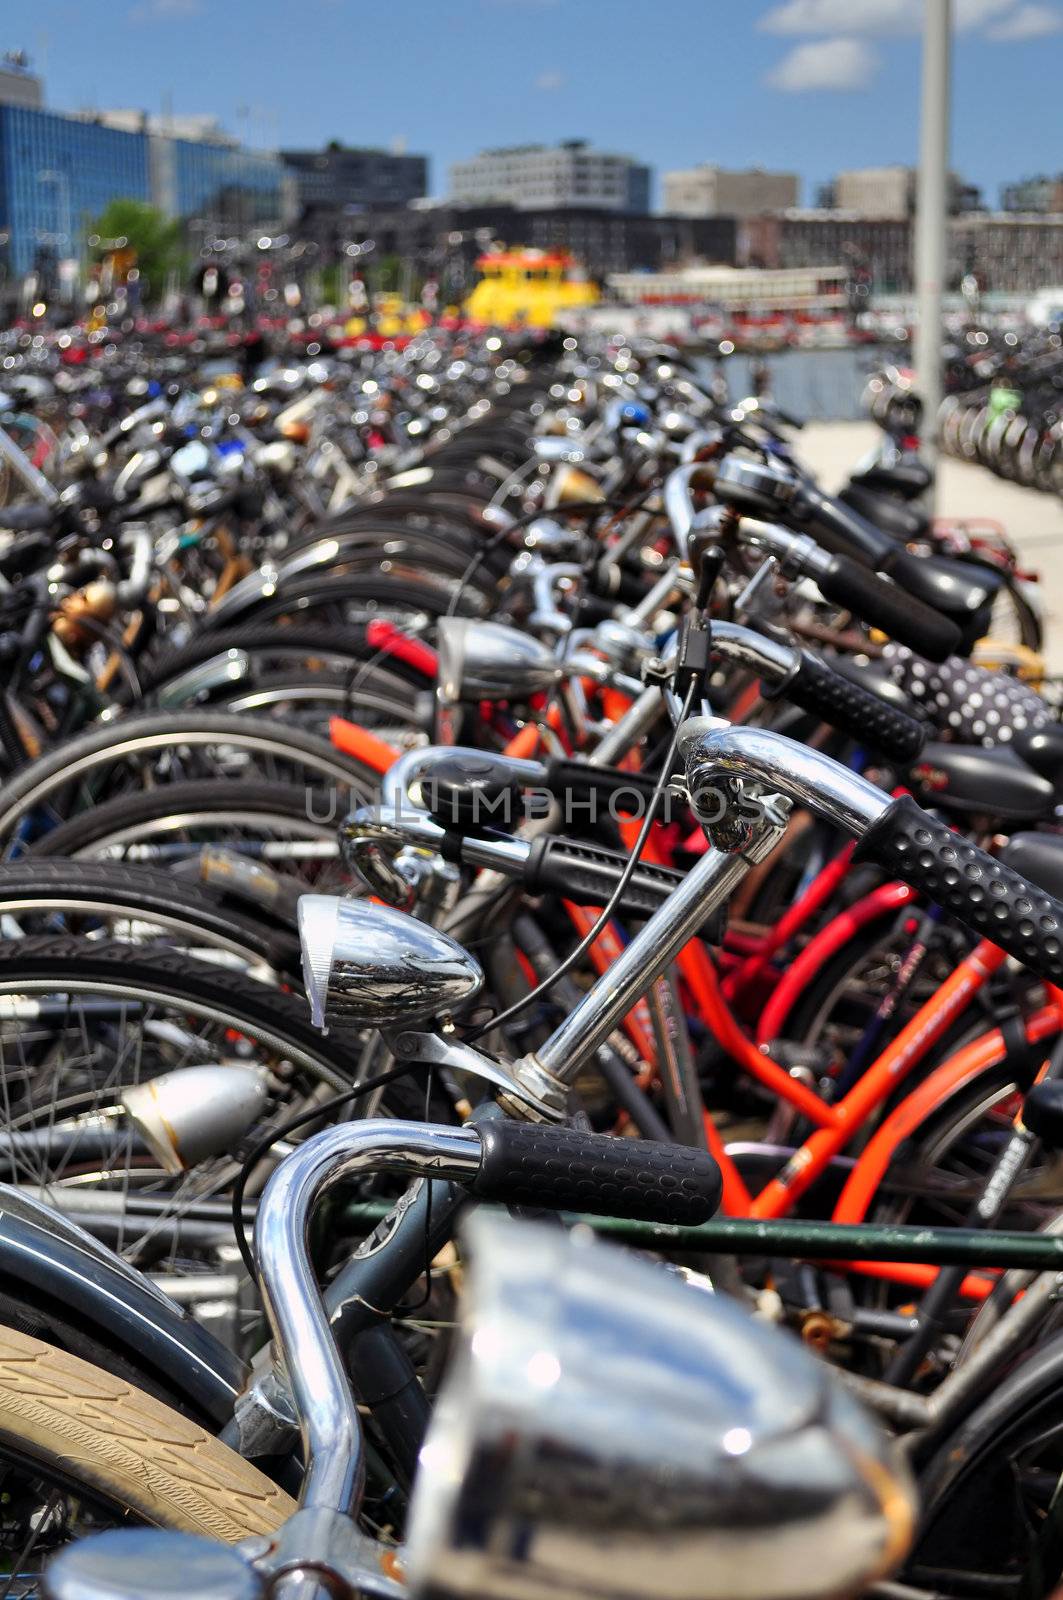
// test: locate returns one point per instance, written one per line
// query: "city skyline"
(807, 85)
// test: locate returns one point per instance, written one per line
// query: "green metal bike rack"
(814, 1241)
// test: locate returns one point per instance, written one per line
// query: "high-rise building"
(708, 191)
(1033, 195)
(889, 192)
(338, 178)
(548, 177)
(199, 171)
(58, 173)
(876, 191)
(18, 85)
(226, 185)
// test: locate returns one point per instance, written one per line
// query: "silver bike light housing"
(488, 661)
(376, 968)
(607, 1433)
(551, 448)
(150, 1564)
(754, 488)
(190, 1116)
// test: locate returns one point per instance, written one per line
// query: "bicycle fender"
(59, 1261)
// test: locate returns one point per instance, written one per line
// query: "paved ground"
(1034, 521)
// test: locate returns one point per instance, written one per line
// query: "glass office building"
(220, 184)
(57, 174)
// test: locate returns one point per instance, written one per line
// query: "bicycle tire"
(278, 1019)
(310, 699)
(122, 1444)
(36, 784)
(345, 644)
(966, 1481)
(93, 829)
(146, 894)
(957, 1119)
(376, 595)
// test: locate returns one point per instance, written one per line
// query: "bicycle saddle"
(1042, 1112)
(905, 522)
(1039, 857)
(961, 590)
(906, 479)
(966, 780)
(1042, 749)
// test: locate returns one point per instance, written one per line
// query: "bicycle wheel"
(338, 600)
(82, 1450)
(941, 1170)
(301, 686)
(291, 830)
(310, 699)
(82, 1024)
(989, 1525)
(833, 1012)
(151, 748)
(268, 648)
(136, 905)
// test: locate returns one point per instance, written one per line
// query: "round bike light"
(607, 1433)
(376, 967)
(190, 1116)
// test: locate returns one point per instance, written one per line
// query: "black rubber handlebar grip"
(979, 891)
(889, 608)
(840, 528)
(29, 519)
(816, 687)
(531, 1164)
(567, 777)
(612, 789)
(587, 874)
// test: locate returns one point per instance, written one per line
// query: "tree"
(389, 274)
(153, 236)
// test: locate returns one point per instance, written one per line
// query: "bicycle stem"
(702, 892)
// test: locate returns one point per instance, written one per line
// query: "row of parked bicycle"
(1003, 405)
(494, 777)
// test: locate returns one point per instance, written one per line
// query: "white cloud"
(881, 18)
(165, 10)
(843, 16)
(1028, 22)
(550, 80)
(973, 14)
(825, 64)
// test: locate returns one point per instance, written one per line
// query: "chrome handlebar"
(373, 837)
(327, 1414)
(713, 752)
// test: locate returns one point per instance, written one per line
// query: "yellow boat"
(528, 288)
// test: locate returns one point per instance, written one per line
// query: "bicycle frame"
(834, 1125)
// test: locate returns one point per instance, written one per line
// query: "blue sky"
(806, 85)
